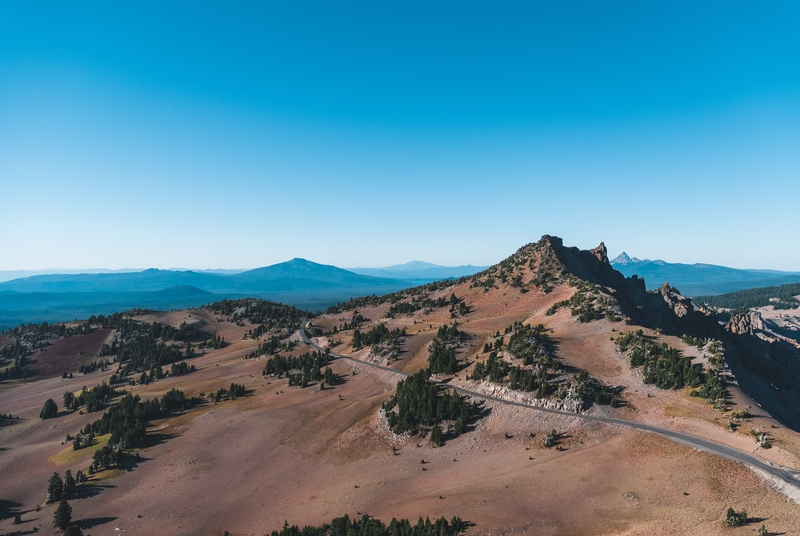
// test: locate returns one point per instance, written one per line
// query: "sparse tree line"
(355, 323)
(377, 335)
(7, 419)
(368, 526)
(418, 303)
(421, 292)
(301, 370)
(541, 261)
(269, 346)
(587, 304)
(59, 491)
(231, 393)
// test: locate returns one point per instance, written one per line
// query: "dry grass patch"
(69, 455)
(675, 410)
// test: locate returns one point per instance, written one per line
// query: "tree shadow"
(153, 440)
(90, 489)
(9, 508)
(92, 522)
(34, 530)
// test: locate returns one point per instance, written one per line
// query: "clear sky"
(236, 135)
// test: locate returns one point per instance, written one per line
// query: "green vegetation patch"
(662, 365)
(420, 404)
(367, 526)
(442, 350)
(587, 304)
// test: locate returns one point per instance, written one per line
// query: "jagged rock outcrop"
(765, 366)
(601, 253)
(745, 323)
(680, 305)
(664, 308)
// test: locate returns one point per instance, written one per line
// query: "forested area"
(368, 526)
(662, 365)
(533, 347)
(268, 314)
(419, 403)
(781, 297)
(442, 350)
(377, 335)
(540, 371)
(300, 370)
(126, 420)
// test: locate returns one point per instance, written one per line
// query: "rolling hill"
(572, 375)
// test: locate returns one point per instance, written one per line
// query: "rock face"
(745, 323)
(679, 304)
(601, 253)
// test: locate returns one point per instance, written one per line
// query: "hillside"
(700, 279)
(545, 347)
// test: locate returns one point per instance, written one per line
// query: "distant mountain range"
(66, 296)
(8, 275)
(306, 284)
(420, 270)
(700, 279)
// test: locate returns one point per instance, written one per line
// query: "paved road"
(689, 440)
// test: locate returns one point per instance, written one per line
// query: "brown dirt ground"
(68, 353)
(306, 456)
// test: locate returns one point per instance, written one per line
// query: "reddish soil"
(68, 353)
(308, 455)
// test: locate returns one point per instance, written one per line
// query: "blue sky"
(222, 135)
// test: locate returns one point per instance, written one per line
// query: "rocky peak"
(600, 252)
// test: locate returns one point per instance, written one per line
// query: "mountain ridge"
(700, 278)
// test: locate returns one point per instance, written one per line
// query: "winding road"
(712, 447)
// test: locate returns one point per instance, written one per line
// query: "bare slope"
(306, 455)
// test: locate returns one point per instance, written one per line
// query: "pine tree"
(69, 398)
(49, 410)
(69, 484)
(55, 488)
(62, 515)
(329, 376)
(436, 435)
(73, 530)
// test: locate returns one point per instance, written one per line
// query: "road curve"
(712, 447)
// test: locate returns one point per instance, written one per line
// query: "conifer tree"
(55, 488)
(62, 515)
(49, 410)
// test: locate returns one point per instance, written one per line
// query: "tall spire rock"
(601, 253)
